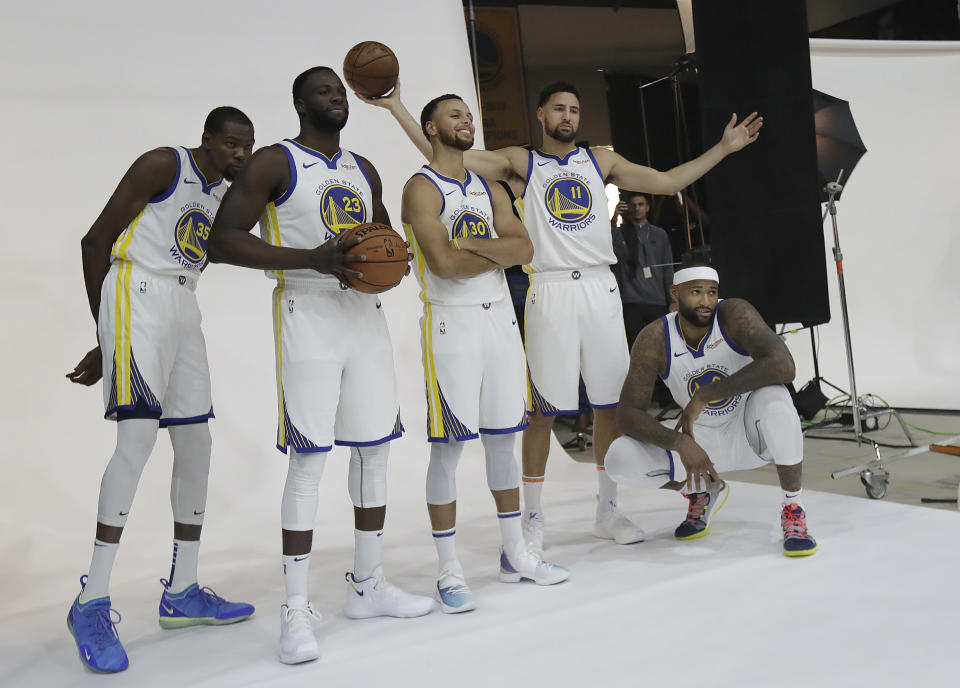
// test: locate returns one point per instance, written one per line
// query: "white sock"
(607, 493)
(532, 487)
(511, 533)
(296, 569)
(101, 565)
(183, 569)
(445, 542)
(793, 497)
(367, 545)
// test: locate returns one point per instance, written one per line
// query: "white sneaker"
(297, 640)
(533, 532)
(452, 591)
(610, 524)
(525, 564)
(374, 596)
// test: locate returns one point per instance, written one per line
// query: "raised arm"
(149, 176)
(628, 175)
(263, 179)
(499, 164)
(512, 245)
(421, 209)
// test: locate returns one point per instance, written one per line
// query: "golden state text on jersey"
(170, 234)
(708, 374)
(341, 206)
(568, 201)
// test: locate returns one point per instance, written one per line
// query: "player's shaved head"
(301, 79)
(430, 110)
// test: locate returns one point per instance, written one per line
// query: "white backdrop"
(899, 221)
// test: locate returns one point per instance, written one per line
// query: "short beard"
(690, 315)
(562, 138)
(324, 122)
(455, 142)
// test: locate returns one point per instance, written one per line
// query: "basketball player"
(726, 369)
(463, 233)
(574, 317)
(141, 262)
(335, 377)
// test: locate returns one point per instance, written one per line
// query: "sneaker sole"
(468, 607)
(83, 659)
(602, 535)
(706, 531)
(396, 615)
(506, 577)
(802, 553)
(298, 658)
(174, 622)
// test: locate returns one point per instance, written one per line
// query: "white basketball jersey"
(169, 236)
(565, 212)
(326, 197)
(467, 211)
(688, 368)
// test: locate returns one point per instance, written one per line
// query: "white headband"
(697, 273)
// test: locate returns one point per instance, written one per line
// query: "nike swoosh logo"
(682, 353)
(301, 558)
(378, 306)
(450, 192)
(188, 181)
(307, 167)
(168, 610)
(541, 164)
(198, 513)
(359, 592)
(514, 322)
(613, 290)
(86, 654)
(124, 513)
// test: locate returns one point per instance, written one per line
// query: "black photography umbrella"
(838, 142)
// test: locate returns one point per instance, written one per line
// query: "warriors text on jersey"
(337, 187)
(467, 211)
(689, 368)
(565, 212)
(169, 236)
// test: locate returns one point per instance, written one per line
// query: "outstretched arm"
(772, 363)
(512, 245)
(648, 359)
(150, 175)
(499, 164)
(263, 179)
(421, 210)
(628, 175)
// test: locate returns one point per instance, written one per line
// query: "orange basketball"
(386, 257)
(371, 69)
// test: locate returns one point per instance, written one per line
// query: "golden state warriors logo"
(568, 200)
(704, 378)
(341, 208)
(470, 224)
(193, 230)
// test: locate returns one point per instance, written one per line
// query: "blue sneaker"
(452, 591)
(703, 505)
(95, 632)
(797, 541)
(198, 606)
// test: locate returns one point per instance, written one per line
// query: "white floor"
(876, 606)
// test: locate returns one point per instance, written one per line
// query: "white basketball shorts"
(474, 370)
(335, 377)
(154, 354)
(574, 326)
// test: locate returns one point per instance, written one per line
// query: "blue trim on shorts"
(670, 459)
(471, 436)
(308, 450)
(167, 422)
(524, 424)
(344, 443)
(605, 406)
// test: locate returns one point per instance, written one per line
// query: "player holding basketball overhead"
(141, 262)
(726, 368)
(574, 318)
(463, 234)
(335, 377)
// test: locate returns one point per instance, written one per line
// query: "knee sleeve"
(637, 463)
(442, 472)
(135, 440)
(773, 426)
(502, 472)
(191, 466)
(367, 478)
(298, 508)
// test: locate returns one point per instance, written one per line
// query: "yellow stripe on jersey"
(121, 333)
(122, 243)
(278, 344)
(418, 260)
(434, 408)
